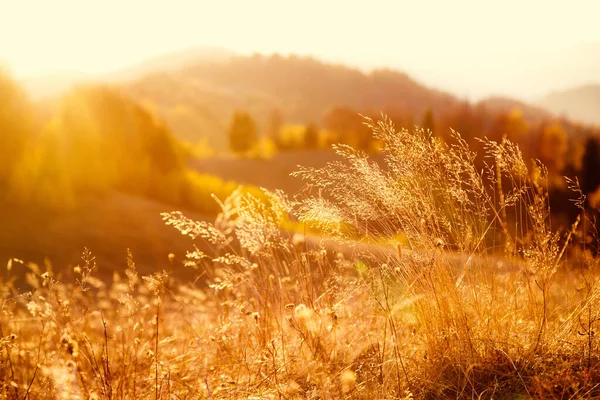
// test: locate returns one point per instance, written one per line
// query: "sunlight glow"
(457, 45)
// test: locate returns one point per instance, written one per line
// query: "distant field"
(107, 226)
(272, 174)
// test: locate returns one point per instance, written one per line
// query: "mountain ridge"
(580, 103)
(197, 90)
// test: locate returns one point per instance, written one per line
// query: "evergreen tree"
(16, 125)
(428, 120)
(311, 137)
(275, 124)
(590, 166)
(242, 133)
(553, 147)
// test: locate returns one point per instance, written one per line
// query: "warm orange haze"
(470, 48)
(310, 200)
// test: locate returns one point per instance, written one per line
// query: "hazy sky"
(472, 48)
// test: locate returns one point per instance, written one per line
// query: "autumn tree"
(574, 157)
(291, 137)
(16, 125)
(108, 141)
(276, 121)
(311, 136)
(553, 146)
(43, 177)
(428, 120)
(516, 126)
(590, 165)
(401, 117)
(460, 118)
(242, 132)
(348, 125)
(340, 120)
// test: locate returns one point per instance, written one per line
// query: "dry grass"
(481, 300)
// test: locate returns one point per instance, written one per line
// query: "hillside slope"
(531, 112)
(56, 84)
(107, 226)
(580, 103)
(200, 99)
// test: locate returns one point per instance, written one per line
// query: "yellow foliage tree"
(109, 141)
(553, 147)
(17, 125)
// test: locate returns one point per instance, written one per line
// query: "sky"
(471, 48)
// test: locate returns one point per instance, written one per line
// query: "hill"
(171, 62)
(273, 173)
(197, 90)
(200, 99)
(580, 103)
(107, 225)
(500, 104)
(95, 170)
(58, 83)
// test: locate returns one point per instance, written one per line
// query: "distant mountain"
(532, 113)
(580, 103)
(56, 84)
(197, 90)
(53, 85)
(171, 62)
(199, 100)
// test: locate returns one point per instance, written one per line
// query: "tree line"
(564, 147)
(93, 141)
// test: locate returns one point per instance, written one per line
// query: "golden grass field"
(474, 295)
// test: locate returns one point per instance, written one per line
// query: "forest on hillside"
(138, 137)
(96, 140)
(293, 103)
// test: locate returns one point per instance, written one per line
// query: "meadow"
(429, 278)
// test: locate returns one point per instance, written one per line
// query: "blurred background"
(114, 111)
